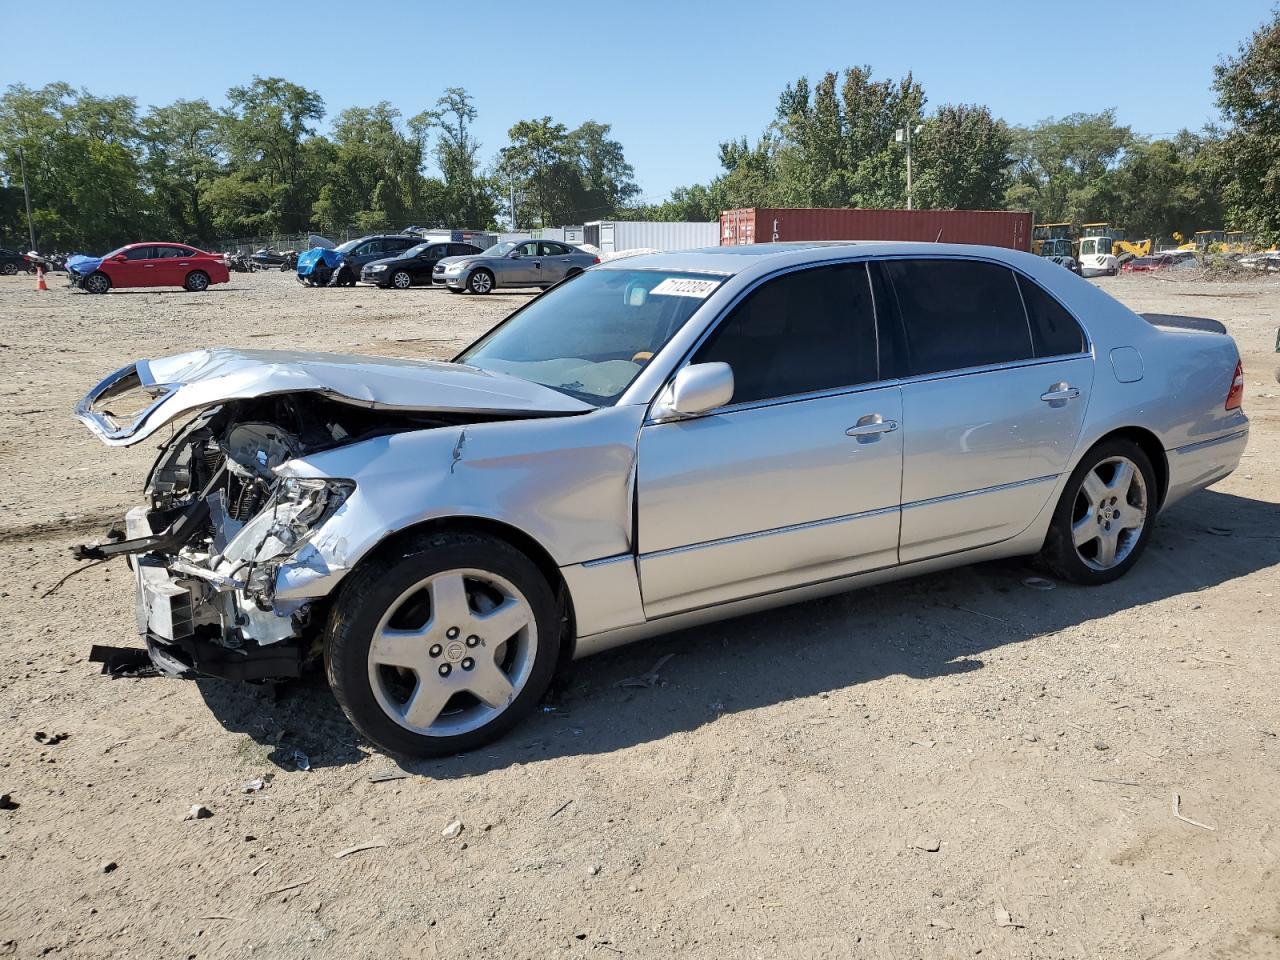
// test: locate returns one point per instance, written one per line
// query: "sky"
(674, 79)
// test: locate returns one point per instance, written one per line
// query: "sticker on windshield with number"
(684, 287)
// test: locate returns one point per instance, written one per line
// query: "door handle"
(1060, 392)
(871, 425)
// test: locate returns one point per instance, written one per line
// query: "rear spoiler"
(1203, 324)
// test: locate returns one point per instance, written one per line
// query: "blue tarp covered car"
(316, 266)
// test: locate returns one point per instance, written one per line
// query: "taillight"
(1235, 396)
(595, 260)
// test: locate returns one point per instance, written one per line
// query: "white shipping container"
(612, 236)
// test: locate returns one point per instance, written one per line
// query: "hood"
(137, 400)
(83, 265)
(465, 258)
(387, 260)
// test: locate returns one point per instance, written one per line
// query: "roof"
(744, 258)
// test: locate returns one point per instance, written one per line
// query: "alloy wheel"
(1109, 513)
(452, 652)
(402, 280)
(481, 282)
(97, 284)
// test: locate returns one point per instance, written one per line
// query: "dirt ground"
(770, 797)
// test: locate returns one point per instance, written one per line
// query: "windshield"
(417, 251)
(115, 252)
(501, 249)
(348, 246)
(591, 336)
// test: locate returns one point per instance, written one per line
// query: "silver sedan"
(512, 263)
(663, 441)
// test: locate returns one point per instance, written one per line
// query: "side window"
(404, 243)
(959, 313)
(1054, 332)
(529, 249)
(461, 249)
(140, 253)
(808, 330)
(169, 253)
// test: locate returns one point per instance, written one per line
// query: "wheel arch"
(1149, 444)
(499, 530)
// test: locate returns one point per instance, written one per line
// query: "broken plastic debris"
(254, 785)
(452, 830)
(300, 760)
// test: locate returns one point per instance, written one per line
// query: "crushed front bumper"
(193, 629)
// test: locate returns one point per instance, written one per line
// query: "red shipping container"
(995, 228)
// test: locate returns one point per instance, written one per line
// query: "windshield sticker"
(684, 287)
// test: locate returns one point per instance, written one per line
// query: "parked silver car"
(662, 441)
(512, 263)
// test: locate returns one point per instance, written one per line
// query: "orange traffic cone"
(40, 284)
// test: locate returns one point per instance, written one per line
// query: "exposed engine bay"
(219, 521)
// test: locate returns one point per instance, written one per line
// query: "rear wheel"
(443, 645)
(480, 282)
(197, 280)
(1103, 521)
(97, 282)
(401, 280)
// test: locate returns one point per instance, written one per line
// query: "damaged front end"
(207, 546)
(229, 580)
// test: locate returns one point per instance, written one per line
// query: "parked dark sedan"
(12, 262)
(414, 265)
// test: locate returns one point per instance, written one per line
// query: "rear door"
(996, 382)
(171, 264)
(797, 479)
(555, 261)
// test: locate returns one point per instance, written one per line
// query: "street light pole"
(31, 227)
(905, 135)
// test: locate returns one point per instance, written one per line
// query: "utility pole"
(511, 180)
(904, 135)
(31, 227)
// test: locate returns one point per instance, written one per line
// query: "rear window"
(1054, 332)
(958, 314)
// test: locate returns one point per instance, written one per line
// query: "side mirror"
(514, 255)
(701, 387)
(120, 258)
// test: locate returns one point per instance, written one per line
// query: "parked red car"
(149, 265)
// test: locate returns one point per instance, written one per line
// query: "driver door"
(796, 480)
(524, 270)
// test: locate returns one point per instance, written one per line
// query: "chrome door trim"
(790, 528)
(602, 561)
(980, 490)
(774, 401)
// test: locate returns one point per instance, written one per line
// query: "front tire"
(1104, 519)
(443, 645)
(9, 269)
(401, 280)
(97, 282)
(481, 281)
(197, 281)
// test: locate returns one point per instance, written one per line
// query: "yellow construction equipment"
(1055, 232)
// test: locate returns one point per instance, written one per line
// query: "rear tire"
(403, 651)
(97, 282)
(1103, 521)
(197, 281)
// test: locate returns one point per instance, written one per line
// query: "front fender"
(566, 482)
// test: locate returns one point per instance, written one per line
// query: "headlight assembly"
(377, 268)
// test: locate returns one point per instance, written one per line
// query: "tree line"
(102, 173)
(832, 144)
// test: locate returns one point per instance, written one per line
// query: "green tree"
(271, 182)
(1058, 164)
(606, 181)
(183, 146)
(374, 179)
(1164, 187)
(962, 159)
(83, 159)
(1248, 88)
(466, 197)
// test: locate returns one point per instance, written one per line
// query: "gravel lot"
(775, 795)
